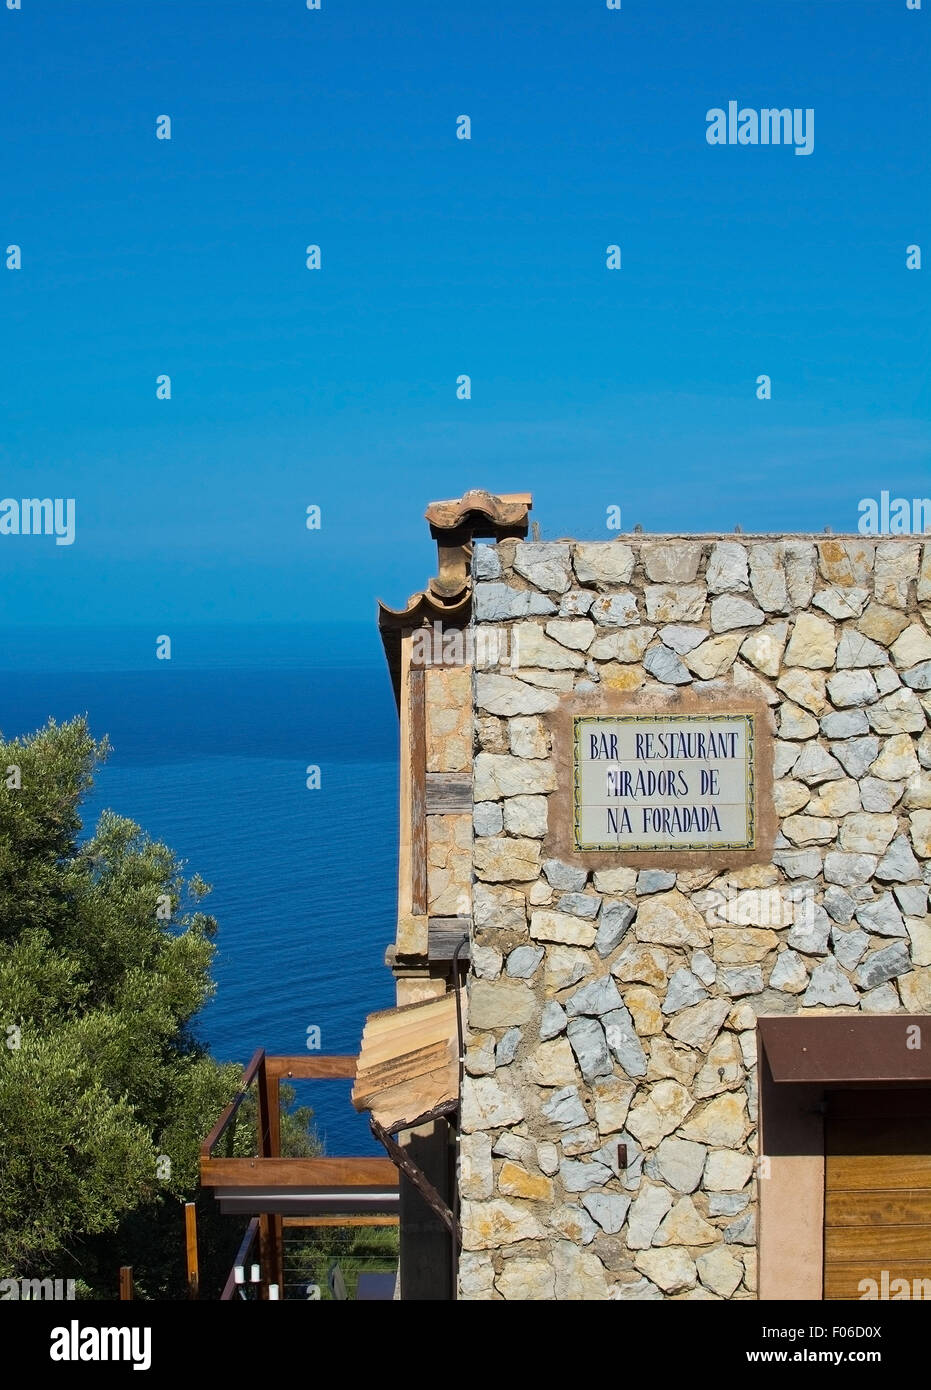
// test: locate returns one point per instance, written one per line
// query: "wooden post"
(418, 791)
(126, 1282)
(190, 1233)
(274, 1148)
(269, 1228)
(272, 1084)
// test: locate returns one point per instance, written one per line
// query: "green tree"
(104, 961)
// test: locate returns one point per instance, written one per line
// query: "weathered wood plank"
(424, 1007)
(877, 1171)
(392, 1035)
(399, 1107)
(448, 793)
(394, 1046)
(404, 1068)
(444, 935)
(841, 1281)
(874, 1208)
(877, 1244)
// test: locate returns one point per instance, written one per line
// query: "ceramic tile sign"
(664, 783)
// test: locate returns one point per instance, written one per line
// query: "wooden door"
(877, 1193)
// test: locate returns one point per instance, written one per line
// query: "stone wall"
(618, 1006)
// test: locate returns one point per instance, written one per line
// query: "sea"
(212, 750)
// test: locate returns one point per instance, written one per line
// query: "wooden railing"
(241, 1260)
(256, 1065)
(267, 1168)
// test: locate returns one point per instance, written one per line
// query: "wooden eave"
(408, 1063)
(454, 524)
(422, 610)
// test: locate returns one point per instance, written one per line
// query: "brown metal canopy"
(848, 1048)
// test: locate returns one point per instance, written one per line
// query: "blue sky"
(440, 257)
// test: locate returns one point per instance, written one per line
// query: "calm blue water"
(209, 753)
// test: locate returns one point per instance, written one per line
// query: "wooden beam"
(268, 1256)
(298, 1172)
(401, 1106)
(402, 1066)
(276, 1236)
(126, 1282)
(262, 1118)
(267, 1253)
(350, 1219)
(418, 790)
(274, 1117)
(404, 780)
(312, 1068)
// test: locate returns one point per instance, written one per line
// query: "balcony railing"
(274, 1191)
